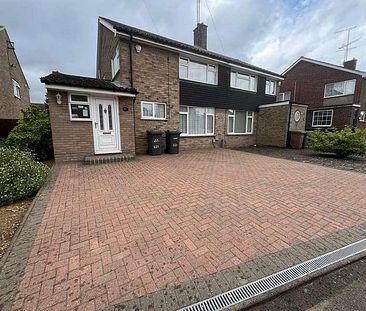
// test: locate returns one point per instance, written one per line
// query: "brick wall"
(156, 77)
(301, 124)
(73, 140)
(10, 106)
(272, 126)
(310, 80)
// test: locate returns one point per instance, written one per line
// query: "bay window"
(340, 88)
(196, 120)
(240, 122)
(271, 87)
(243, 81)
(196, 71)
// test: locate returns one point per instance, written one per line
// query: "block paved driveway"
(116, 232)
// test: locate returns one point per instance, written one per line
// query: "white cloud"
(61, 34)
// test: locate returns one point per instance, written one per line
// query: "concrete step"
(108, 158)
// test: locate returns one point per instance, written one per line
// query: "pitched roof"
(325, 64)
(183, 46)
(58, 78)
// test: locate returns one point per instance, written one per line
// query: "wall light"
(58, 98)
(138, 48)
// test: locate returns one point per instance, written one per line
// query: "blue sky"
(61, 34)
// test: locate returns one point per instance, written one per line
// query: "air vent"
(266, 284)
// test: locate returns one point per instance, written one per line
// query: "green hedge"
(20, 175)
(343, 143)
(33, 133)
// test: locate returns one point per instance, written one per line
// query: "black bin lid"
(172, 132)
(154, 132)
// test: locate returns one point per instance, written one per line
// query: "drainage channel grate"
(276, 280)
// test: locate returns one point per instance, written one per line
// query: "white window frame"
(209, 68)
(281, 96)
(115, 63)
(16, 89)
(206, 114)
(153, 116)
(331, 118)
(274, 88)
(362, 116)
(233, 84)
(344, 88)
(247, 117)
(71, 102)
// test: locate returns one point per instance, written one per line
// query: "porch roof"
(60, 79)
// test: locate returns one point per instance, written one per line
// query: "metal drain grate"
(276, 280)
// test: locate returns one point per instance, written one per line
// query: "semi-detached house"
(146, 81)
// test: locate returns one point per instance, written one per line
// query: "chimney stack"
(200, 36)
(350, 64)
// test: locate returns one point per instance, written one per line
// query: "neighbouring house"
(336, 95)
(146, 81)
(14, 89)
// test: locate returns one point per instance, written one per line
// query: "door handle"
(95, 124)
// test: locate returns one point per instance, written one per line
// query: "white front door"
(106, 126)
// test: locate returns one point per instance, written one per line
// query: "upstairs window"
(322, 118)
(115, 63)
(243, 81)
(240, 122)
(16, 89)
(283, 96)
(271, 87)
(196, 71)
(340, 88)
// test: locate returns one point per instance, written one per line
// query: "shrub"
(343, 143)
(20, 175)
(33, 133)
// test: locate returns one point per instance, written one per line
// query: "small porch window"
(79, 107)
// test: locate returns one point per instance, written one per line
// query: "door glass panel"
(110, 117)
(101, 117)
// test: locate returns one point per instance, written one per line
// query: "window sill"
(198, 82)
(83, 120)
(317, 126)
(197, 135)
(242, 90)
(17, 97)
(239, 134)
(325, 97)
(154, 119)
(273, 95)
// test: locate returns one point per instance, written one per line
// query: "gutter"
(134, 99)
(288, 126)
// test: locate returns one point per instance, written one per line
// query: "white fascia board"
(107, 25)
(362, 74)
(184, 52)
(274, 104)
(87, 90)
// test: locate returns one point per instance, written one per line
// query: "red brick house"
(14, 89)
(336, 95)
(146, 81)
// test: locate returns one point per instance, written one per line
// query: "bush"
(33, 133)
(20, 175)
(343, 143)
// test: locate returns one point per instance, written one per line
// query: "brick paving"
(160, 232)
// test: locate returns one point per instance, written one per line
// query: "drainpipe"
(134, 99)
(288, 126)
